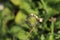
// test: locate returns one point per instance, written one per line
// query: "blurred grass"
(17, 23)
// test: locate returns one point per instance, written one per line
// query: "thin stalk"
(52, 27)
(45, 26)
(44, 5)
(30, 32)
(51, 37)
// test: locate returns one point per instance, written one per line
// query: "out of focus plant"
(30, 20)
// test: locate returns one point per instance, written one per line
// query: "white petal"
(1, 6)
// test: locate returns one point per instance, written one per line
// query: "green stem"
(51, 37)
(52, 27)
(45, 26)
(44, 5)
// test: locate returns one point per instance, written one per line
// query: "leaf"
(20, 17)
(18, 32)
(23, 5)
(22, 35)
(15, 29)
(51, 37)
(42, 37)
(54, 4)
(58, 24)
(54, 1)
(16, 2)
(7, 14)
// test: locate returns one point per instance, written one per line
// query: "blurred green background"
(29, 19)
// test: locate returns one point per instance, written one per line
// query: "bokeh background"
(29, 19)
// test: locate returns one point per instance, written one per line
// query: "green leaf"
(51, 37)
(58, 24)
(20, 17)
(18, 32)
(54, 4)
(42, 37)
(15, 29)
(7, 14)
(16, 2)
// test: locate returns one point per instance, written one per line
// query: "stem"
(30, 32)
(44, 5)
(45, 25)
(52, 27)
(52, 31)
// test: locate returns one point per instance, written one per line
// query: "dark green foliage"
(30, 20)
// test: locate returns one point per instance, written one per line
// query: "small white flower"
(40, 19)
(36, 16)
(31, 14)
(59, 32)
(1, 6)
